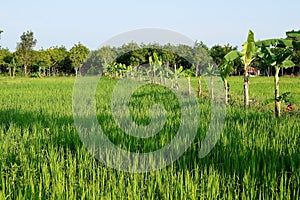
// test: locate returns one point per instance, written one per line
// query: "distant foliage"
(65, 61)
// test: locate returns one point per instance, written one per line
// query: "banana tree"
(247, 55)
(180, 72)
(174, 75)
(188, 73)
(212, 72)
(158, 67)
(277, 53)
(153, 69)
(225, 70)
(115, 70)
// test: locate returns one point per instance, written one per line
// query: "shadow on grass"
(231, 159)
(52, 130)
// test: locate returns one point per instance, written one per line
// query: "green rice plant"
(42, 156)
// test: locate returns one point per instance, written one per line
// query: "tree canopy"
(58, 60)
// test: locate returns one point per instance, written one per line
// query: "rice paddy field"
(43, 157)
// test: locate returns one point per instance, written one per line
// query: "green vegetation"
(247, 55)
(42, 157)
(58, 60)
(257, 156)
(277, 58)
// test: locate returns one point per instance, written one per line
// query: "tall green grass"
(42, 157)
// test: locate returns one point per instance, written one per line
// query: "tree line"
(153, 62)
(108, 60)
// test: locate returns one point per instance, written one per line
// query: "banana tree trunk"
(189, 85)
(176, 78)
(212, 88)
(199, 87)
(14, 72)
(246, 88)
(226, 92)
(76, 71)
(25, 70)
(277, 101)
(154, 78)
(10, 73)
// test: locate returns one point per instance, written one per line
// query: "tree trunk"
(189, 85)
(277, 101)
(25, 70)
(199, 87)
(40, 72)
(246, 88)
(76, 71)
(212, 88)
(226, 92)
(154, 81)
(10, 73)
(176, 78)
(14, 72)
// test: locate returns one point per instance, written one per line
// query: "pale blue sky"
(65, 22)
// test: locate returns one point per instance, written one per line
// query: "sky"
(92, 22)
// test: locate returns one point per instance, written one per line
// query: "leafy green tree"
(43, 61)
(200, 57)
(168, 55)
(4, 55)
(78, 54)
(93, 65)
(124, 53)
(106, 55)
(277, 53)
(57, 56)
(218, 52)
(182, 53)
(11, 63)
(295, 37)
(25, 51)
(137, 57)
(247, 55)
